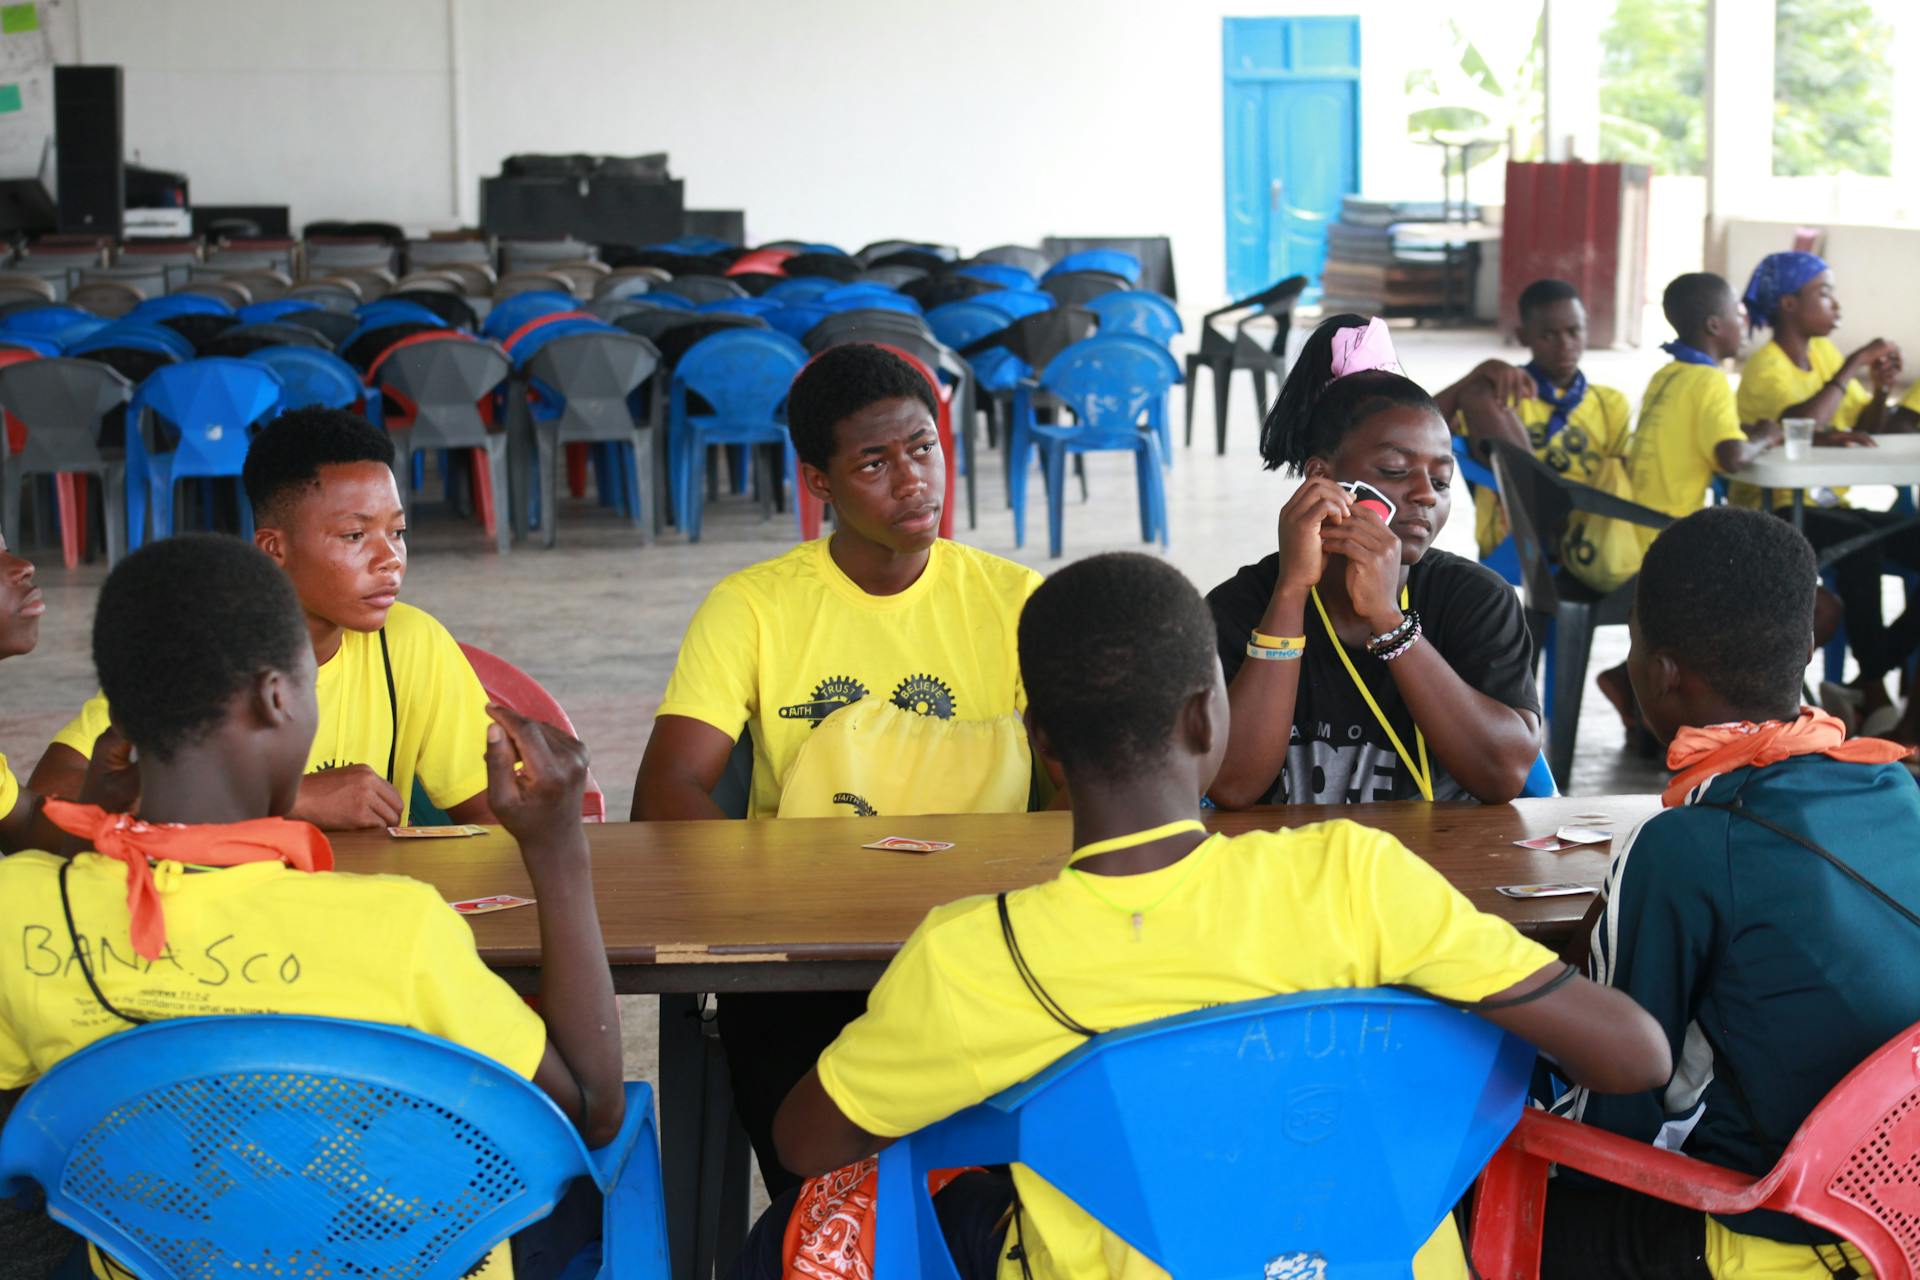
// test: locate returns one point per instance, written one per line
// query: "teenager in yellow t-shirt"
(1801, 374)
(1570, 424)
(398, 700)
(200, 643)
(1154, 917)
(881, 610)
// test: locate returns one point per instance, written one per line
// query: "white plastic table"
(1894, 460)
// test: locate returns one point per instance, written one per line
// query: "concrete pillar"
(1739, 116)
(1571, 43)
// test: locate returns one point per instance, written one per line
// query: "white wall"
(1864, 259)
(840, 120)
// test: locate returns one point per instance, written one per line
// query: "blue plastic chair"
(141, 335)
(318, 1146)
(1138, 311)
(958, 323)
(513, 312)
(801, 289)
(859, 297)
(155, 310)
(1539, 783)
(741, 306)
(744, 375)
(1505, 558)
(311, 377)
(57, 324)
(796, 320)
(1003, 274)
(386, 311)
(658, 301)
(1116, 388)
(276, 309)
(810, 246)
(1117, 261)
(1015, 303)
(1286, 1143)
(532, 340)
(39, 346)
(214, 404)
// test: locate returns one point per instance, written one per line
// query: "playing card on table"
(908, 844)
(435, 833)
(498, 902)
(1583, 835)
(1546, 844)
(1545, 890)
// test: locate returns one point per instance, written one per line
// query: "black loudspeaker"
(89, 132)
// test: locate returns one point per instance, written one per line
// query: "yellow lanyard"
(1423, 772)
(1129, 842)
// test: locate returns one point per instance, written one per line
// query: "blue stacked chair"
(274, 309)
(1113, 261)
(310, 377)
(743, 375)
(1005, 275)
(213, 406)
(513, 312)
(178, 304)
(1114, 386)
(857, 297)
(1138, 311)
(801, 289)
(1015, 303)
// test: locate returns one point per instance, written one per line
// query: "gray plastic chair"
(892, 277)
(21, 284)
(149, 278)
(1030, 260)
(445, 381)
(238, 258)
(615, 281)
(593, 374)
(699, 289)
(425, 255)
(108, 299)
(537, 255)
(325, 259)
(61, 401)
(331, 294)
(518, 282)
(233, 294)
(334, 326)
(626, 287)
(372, 282)
(610, 308)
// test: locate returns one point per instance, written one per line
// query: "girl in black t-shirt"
(1362, 663)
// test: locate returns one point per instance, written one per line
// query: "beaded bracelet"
(1400, 648)
(1409, 623)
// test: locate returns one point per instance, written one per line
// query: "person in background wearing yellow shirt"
(21, 608)
(882, 608)
(1568, 423)
(1153, 917)
(398, 700)
(202, 646)
(1800, 373)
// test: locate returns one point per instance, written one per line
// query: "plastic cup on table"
(1799, 437)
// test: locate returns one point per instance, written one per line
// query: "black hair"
(840, 382)
(1315, 411)
(1728, 592)
(289, 451)
(1110, 649)
(1544, 293)
(1693, 299)
(181, 626)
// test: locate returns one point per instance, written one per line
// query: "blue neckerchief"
(1561, 405)
(1687, 355)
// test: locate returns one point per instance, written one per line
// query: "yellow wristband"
(1284, 643)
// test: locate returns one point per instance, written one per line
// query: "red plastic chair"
(1852, 1169)
(511, 687)
(811, 508)
(769, 262)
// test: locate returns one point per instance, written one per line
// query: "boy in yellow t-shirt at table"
(201, 644)
(1152, 917)
(1570, 424)
(883, 619)
(398, 700)
(1800, 373)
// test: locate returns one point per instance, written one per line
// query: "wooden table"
(693, 907)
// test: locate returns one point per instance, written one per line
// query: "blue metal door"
(1292, 90)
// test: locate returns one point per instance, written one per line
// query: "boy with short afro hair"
(1770, 971)
(882, 609)
(1153, 917)
(398, 700)
(204, 648)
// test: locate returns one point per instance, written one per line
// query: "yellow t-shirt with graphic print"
(1770, 382)
(9, 788)
(257, 938)
(1598, 428)
(1269, 913)
(1688, 411)
(780, 645)
(434, 723)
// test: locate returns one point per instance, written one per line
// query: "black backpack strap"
(1046, 1001)
(80, 952)
(1740, 810)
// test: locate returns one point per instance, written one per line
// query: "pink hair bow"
(1360, 348)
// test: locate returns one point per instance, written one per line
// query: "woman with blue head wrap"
(1800, 373)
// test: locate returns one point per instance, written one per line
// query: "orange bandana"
(1699, 754)
(125, 838)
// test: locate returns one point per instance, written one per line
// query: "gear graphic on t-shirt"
(828, 697)
(924, 696)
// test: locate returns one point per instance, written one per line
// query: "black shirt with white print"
(1338, 753)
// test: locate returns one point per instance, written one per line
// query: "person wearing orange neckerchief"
(213, 901)
(1768, 917)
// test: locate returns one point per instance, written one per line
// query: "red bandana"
(125, 838)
